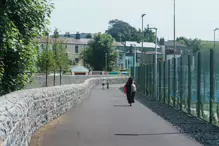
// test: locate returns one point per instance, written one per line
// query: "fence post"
(144, 79)
(211, 85)
(198, 84)
(164, 82)
(189, 84)
(181, 82)
(168, 96)
(160, 88)
(174, 82)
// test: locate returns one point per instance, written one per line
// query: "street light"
(155, 67)
(214, 35)
(134, 60)
(142, 16)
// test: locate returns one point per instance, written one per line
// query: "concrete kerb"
(25, 111)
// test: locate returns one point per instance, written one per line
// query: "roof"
(79, 69)
(145, 44)
(152, 52)
(171, 43)
(66, 40)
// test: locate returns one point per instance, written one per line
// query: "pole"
(174, 59)
(214, 37)
(106, 60)
(135, 63)
(47, 59)
(142, 43)
(142, 30)
(155, 82)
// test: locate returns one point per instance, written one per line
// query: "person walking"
(128, 87)
(133, 92)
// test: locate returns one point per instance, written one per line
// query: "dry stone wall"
(23, 112)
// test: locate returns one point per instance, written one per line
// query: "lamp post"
(174, 58)
(134, 60)
(214, 35)
(155, 66)
(142, 29)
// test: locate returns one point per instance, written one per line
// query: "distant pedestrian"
(107, 84)
(133, 92)
(103, 83)
(128, 87)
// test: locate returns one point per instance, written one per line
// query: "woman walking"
(128, 86)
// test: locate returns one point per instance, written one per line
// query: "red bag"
(125, 90)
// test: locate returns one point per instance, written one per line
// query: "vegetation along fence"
(193, 88)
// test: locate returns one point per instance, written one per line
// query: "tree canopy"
(100, 51)
(193, 44)
(20, 23)
(122, 31)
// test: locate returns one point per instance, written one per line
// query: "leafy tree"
(20, 23)
(193, 44)
(46, 61)
(89, 36)
(122, 31)
(100, 50)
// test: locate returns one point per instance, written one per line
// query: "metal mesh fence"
(192, 85)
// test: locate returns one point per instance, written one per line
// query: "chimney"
(78, 36)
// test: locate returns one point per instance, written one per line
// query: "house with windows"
(73, 47)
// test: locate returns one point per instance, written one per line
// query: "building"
(76, 35)
(126, 53)
(79, 70)
(74, 47)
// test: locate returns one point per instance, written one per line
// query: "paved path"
(104, 119)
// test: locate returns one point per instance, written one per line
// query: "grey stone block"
(25, 111)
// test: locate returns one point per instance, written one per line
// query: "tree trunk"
(54, 79)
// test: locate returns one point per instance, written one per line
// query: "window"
(76, 60)
(42, 46)
(120, 56)
(76, 49)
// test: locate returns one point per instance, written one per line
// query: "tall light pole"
(142, 30)
(174, 58)
(215, 36)
(155, 66)
(134, 60)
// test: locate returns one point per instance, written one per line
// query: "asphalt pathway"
(105, 119)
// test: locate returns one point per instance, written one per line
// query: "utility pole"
(142, 30)
(47, 45)
(174, 59)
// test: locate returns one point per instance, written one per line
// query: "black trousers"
(131, 97)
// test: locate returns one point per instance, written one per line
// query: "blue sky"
(194, 18)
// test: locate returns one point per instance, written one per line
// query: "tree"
(100, 52)
(122, 31)
(20, 23)
(89, 36)
(46, 61)
(193, 44)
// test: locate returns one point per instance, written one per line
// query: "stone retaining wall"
(23, 112)
(40, 80)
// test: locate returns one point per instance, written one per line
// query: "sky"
(194, 18)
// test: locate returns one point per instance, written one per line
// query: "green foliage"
(193, 44)
(53, 60)
(20, 23)
(95, 54)
(46, 61)
(89, 36)
(122, 31)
